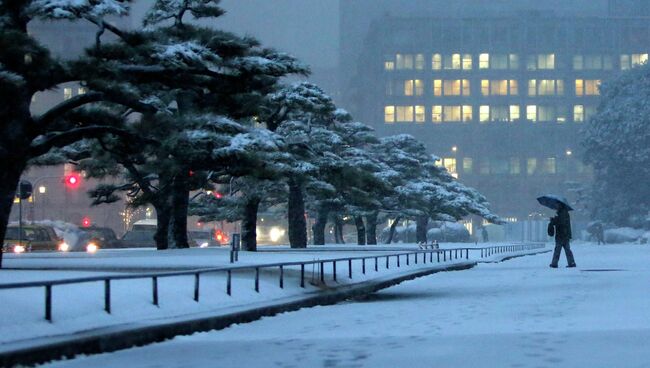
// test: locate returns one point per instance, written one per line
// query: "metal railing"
(433, 255)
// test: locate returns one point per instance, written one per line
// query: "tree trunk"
(361, 230)
(371, 228)
(9, 179)
(180, 205)
(421, 229)
(296, 216)
(319, 226)
(249, 225)
(163, 217)
(393, 226)
(338, 230)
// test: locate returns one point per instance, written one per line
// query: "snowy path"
(514, 314)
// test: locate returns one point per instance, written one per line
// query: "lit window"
(484, 114)
(561, 114)
(404, 61)
(468, 165)
(546, 87)
(419, 62)
(532, 87)
(531, 112)
(467, 62)
(578, 113)
(452, 87)
(437, 87)
(404, 114)
(638, 59)
(580, 87)
(531, 166)
(546, 61)
(82, 90)
(436, 114)
(436, 62)
(514, 87)
(485, 87)
(484, 61)
(456, 61)
(466, 87)
(67, 93)
(420, 114)
(514, 61)
(389, 114)
(578, 62)
(452, 113)
(514, 112)
(467, 113)
(408, 88)
(389, 65)
(499, 87)
(450, 164)
(515, 166)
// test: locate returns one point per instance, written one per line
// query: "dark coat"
(562, 224)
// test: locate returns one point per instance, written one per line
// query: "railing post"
(398, 261)
(196, 286)
(257, 279)
(302, 275)
(376, 264)
(350, 268)
(416, 257)
(281, 277)
(107, 296)
(154, 287)
(229, 283)
(387, 262)
(48, 302)
(424, 258)
(467, 253)
(430, 257)
(438, 256)
(322, 272)
(408, 259)
(334, 269)
(444, 256)
(363, 266)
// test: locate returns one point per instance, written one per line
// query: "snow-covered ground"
(519, 313)
(80, 307)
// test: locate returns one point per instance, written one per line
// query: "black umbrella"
(553, 202)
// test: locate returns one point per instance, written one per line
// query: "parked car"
(141, 236)
(206, 238)
(102, 237)
(34, 238)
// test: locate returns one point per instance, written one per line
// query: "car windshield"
(13, 233)
(139, 236)
(200, 234)
(102, 233)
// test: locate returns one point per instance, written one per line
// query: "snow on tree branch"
(75, 9)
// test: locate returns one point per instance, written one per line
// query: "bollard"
(48, 302)
(107, 296)
(196, 287)
(302, 275)
(154, 286)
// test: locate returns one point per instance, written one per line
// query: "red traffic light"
(218, 195)
(85, 222)
(72, 181)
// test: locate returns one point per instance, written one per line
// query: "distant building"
(500, 97)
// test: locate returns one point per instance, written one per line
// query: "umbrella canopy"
(553, 202)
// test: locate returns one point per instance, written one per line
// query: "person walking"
(560, 225)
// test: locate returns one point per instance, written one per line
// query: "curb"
(517, 256)
(111, 339)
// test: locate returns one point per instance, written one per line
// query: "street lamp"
(42, 189)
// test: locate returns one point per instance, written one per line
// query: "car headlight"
(276, 233)
(203, 245)
(64, 247)
(91, 248)
(19, 248)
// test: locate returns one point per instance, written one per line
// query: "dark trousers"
(559, 244)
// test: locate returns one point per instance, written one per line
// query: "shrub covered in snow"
(624, 235)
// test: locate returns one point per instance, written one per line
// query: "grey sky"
(307, 29)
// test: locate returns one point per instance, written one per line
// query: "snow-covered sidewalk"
(515, 314)
(78, 308)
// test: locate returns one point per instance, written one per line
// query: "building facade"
(499, 98)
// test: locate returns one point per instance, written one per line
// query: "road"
(515, 314)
